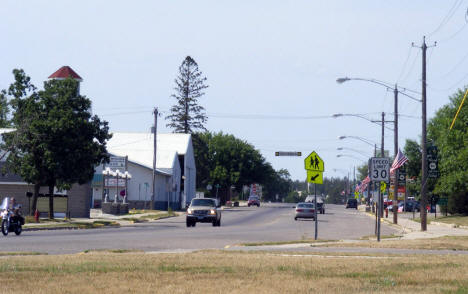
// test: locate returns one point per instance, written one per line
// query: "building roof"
(139, 148)
(65, 72)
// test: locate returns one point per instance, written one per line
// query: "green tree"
(4, 110)
(453, 154)
(362, 172)
(187, 115)
(412, 151)
(57, 142)
(227, 161)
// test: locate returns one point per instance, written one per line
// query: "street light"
(395, 89)
(127, 177)
(367, 141)
(351, 149)
(351, 156)
(106, 172)
(336, 115)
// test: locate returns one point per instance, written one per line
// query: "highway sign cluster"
(315, 167)
(432, 162)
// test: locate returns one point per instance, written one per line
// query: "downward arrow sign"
(314, 177)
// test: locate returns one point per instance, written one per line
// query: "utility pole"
(154, 130)
(423, 142)
(423, 212)
(395, 140)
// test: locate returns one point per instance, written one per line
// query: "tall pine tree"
(187, 115)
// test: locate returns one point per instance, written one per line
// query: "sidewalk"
(411, 230)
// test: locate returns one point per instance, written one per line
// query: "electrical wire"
(404, 64)
(447, 17)
(411, 68)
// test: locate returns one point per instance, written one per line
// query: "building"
(76, 202)
(175, 169)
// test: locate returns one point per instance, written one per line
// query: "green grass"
(285, 242)
(78, 225)
(457, 220)
(21, 253)
(372, 237)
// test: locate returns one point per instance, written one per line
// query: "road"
(270, 222)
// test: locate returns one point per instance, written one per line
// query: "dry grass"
(457, 220)
(231, 272)
(442, 243)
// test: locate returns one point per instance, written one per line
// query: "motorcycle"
(11, 222)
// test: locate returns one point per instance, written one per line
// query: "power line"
(459, 30)
(447, 17)
(411, 68)
(406, 62)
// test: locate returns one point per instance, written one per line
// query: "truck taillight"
(299, 210)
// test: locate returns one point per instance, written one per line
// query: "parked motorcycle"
(12, 221)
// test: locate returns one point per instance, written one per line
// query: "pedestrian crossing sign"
(314, 162)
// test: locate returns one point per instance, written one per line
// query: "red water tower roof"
(65, 72)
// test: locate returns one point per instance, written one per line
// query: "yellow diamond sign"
(314, 162)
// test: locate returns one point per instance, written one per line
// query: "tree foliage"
(56, 141)
(187, 115)
(225, 160)
(453, 154)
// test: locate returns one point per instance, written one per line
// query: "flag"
(342, 192)
(400, 159)
(364, 183)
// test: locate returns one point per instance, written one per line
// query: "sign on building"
(117, 162)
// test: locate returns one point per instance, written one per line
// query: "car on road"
(304, 210)
(320, 203)
(203, 210)
(351, 203)
(253, 200)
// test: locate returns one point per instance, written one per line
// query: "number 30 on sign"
(380, 169)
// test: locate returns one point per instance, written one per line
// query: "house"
(74, 202)
(175, 168)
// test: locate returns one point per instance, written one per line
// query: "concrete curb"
(53, 228)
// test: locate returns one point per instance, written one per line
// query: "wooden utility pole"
(395, 140)
(154, 130)
(424, 139)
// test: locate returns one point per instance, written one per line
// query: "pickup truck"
(204, 210)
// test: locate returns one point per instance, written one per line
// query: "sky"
(271, 66)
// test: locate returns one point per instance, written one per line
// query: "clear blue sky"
(277, 60)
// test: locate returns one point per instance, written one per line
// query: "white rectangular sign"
(380, 169)
(116, 162)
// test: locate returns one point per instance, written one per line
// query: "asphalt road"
(270, 222)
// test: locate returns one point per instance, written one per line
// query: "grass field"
(441, 243)
(232, 272)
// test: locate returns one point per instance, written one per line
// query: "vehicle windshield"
(305, 205)
(203, 202)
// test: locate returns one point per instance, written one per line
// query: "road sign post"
(315, 167)
(380, 172)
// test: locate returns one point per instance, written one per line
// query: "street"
(270, 222)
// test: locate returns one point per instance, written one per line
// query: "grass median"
(232, 272)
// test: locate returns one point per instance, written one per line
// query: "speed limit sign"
(380, 169)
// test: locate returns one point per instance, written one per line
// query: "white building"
(175, 169)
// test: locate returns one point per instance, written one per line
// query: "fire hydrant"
(386, 212)
(36, 215)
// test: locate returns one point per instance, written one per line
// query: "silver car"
(305, 210)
